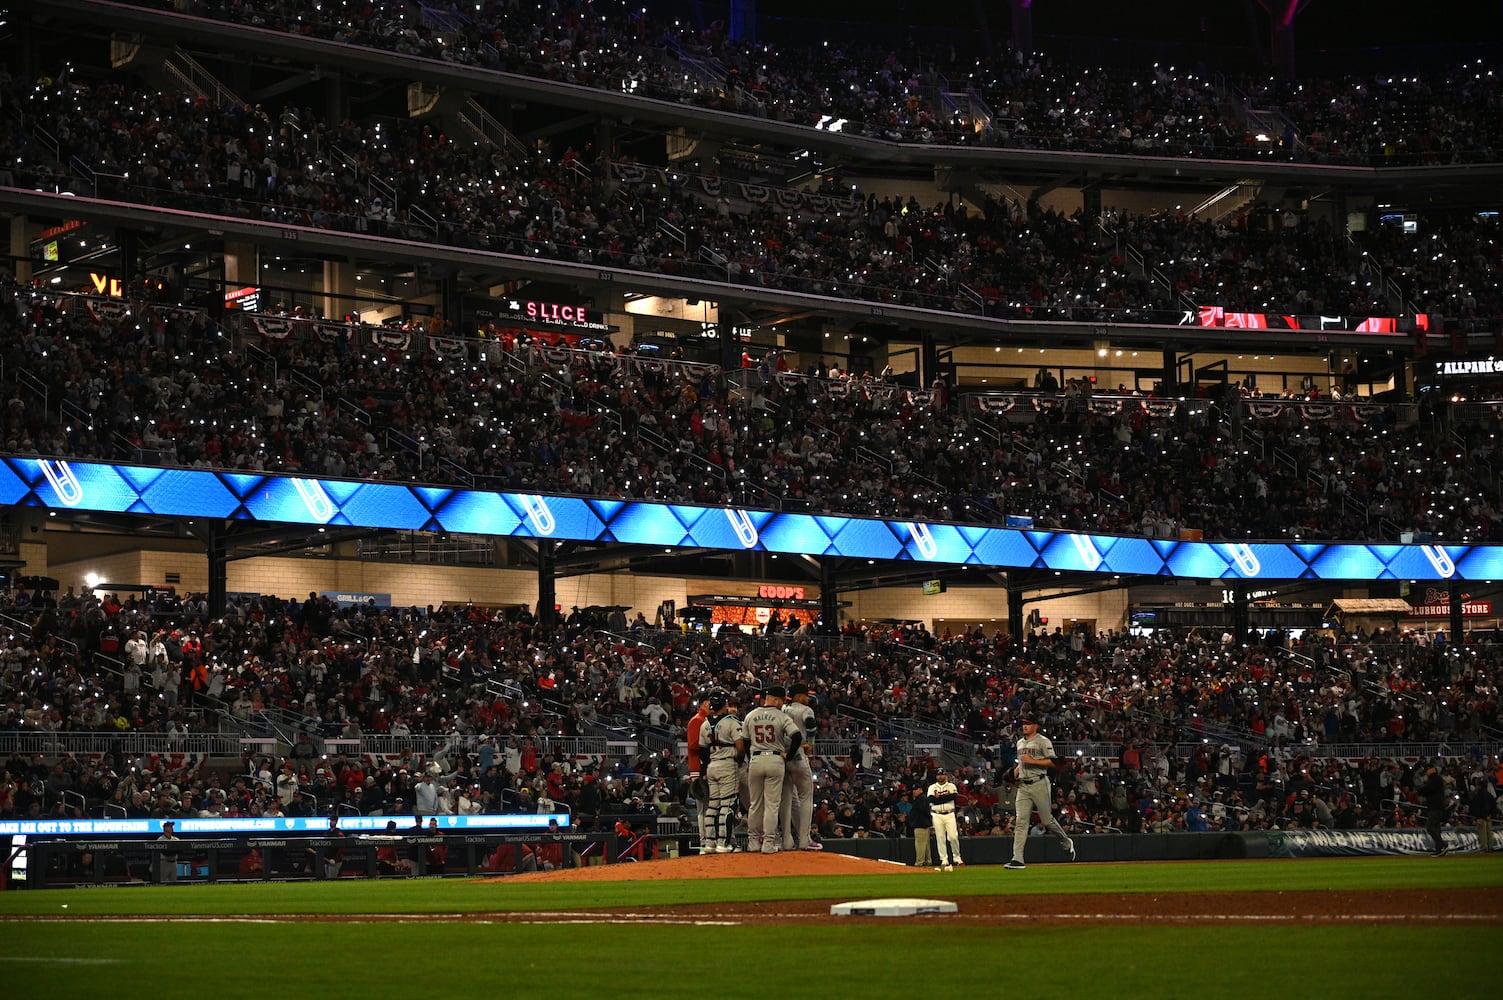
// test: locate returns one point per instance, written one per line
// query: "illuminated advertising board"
(261, 497)
(1216, 317)
(574, 317)
(270, 825)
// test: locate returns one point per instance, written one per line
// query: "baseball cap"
(1028, 717)
(797, 689)
(941, 770)
(776, 691)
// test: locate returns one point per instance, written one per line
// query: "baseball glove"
(700, 789)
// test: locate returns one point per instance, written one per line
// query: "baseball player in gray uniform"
(797, 810)
(721, 743)
(771, 738)
(1035, 758)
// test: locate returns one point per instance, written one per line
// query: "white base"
(892, 907)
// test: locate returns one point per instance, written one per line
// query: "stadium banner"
(255, 496)
(1363, 843)
(219, 825)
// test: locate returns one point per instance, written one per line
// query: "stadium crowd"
(155, 383)
(1199, 733)
(995, 257)
(919, 94)
(485, 706)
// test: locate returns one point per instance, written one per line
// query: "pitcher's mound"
(719, 866)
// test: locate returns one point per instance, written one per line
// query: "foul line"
(635, 917)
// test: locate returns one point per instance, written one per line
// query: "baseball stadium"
(609, 497)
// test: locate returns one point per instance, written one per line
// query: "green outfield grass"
(833, 960)
(480, 896)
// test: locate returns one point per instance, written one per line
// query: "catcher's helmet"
(717, 697)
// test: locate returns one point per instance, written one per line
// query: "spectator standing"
(426, 794)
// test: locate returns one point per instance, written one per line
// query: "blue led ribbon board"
(262, 497)
(270, 826)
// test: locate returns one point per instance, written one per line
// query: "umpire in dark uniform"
(1433, 791)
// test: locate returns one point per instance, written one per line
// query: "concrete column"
(730, 350)
(1015, 618)
(1281, 17)
(20, 247)
(217, 552)
(1455, 599)
(547, 594)
(339, 289)
(1022, 24)
(605, 139)
(744, 20)
(242, 264)
(336, 99)
(1240, 614)
(829, 597)
(129, 244)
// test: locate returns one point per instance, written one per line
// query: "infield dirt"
(1315, 906)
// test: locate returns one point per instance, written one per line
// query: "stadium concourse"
(452, 712)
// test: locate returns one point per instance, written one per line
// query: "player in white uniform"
(1035, 758)
(721, 744)
(942, 796)
(771, 737)
(797, 810)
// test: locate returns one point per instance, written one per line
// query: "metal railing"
(353, 410)
(485, 126)
(418, 218)
(30, 382)
(310, 387)
(673, 232)
(448, 21)
(119, 744)
(193, 77)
